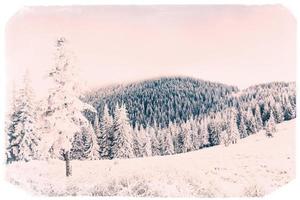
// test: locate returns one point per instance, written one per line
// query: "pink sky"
(238, 45)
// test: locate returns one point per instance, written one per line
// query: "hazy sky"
(238, 45)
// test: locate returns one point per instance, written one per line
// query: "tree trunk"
(68, 164)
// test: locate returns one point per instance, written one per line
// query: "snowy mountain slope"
(254, 166)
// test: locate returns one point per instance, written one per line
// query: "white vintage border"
(9, 7)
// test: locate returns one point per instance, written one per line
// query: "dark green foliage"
(164, 100)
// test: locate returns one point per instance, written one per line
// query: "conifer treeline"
(254, 109)
(242, 113)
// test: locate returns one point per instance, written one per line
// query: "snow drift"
(255, 166)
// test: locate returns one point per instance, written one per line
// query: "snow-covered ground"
(253, 167)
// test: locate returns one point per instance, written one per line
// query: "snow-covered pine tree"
(204, 142)
(278, 113)
(81, 146)
(184, 143)
(136, 142)
(226, 133)
(233, 129)
(242, 127)
(225, 137)
(106, 122)
(22, 133)
(12, 137)
(63, 116)
(214, 131)
(265, 112)
(195, 134)
(250, 122)
(122, 140)
(154, 141)
(145, 142)
(289, 112)
(257, 115)
(166, 142)
(270, 126)
(174, 131)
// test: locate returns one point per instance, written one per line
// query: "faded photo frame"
(151, 100)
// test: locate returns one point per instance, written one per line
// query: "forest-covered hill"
(177, 99)
(163, 100)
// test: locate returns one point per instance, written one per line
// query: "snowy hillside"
(255, 166)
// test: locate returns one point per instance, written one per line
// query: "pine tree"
(278, 113)
(22, 133)
(289, 112)
(63, 116)
(258, 119)
(184, 139)
(225, 137)
(214, 130)
(154, 142)
(105, 135)
(270, 126)
(136, 142)
(122, 135)
(12, 138)
(173, 129)
(250, 122)
(265, 113)
(242, 128)
(166, 142)
(204, 137)
(195, 134)
(233, 130)
(83, 146)
(145, 143)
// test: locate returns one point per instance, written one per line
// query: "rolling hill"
(163, 100)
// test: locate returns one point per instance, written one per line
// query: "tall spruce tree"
(22, 133)
(64, 117)
(214, 131)
(204, 137)
(270, 126)
(258, 119)
(122, 140)
(105, 135)
(166, 142)
(242, 127)
(155, 148)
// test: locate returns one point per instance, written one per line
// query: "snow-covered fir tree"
(23, 137)
(258, 119)
(204, 137)
(122, 140)
(105, 134)
(63, 117)
(184, 142)
(270, 126)
(289, 111)
(195, 134)
(250, 122)
(165, 142)
(12, 121)
(214, 131)
(233, 129)
(174, 130)
(145, 143)
(136, 142)
(242, 127)
(225, 137)
(278, 113)
(155, 148)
